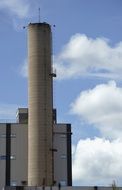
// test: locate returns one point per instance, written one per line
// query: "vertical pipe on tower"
(40, 169)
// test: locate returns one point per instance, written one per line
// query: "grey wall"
(61, 170)
(19, 154)
(2, 153)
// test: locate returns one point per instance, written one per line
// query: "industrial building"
(36, 150)
(14, 152)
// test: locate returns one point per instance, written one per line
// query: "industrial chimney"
(40, 158)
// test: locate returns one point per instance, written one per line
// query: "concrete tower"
(40, 158)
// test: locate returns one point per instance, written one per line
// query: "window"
(63, 183)
(13, 135)
(3, 135)
(13, 183)
(12, 157)
(63, 136)
(63, 156)
(3, 157)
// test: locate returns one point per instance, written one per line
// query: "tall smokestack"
(40, 169)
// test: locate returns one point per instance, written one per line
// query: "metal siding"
(8, 154)
(69, 156)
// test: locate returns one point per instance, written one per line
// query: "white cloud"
(102, 107)
(97, 162)
(83, 56)
(87, 56)
(24, 69)
(18, 8)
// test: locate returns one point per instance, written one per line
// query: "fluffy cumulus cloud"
(19, 8)
(97, 162)
(83, 56)
(101, 107)
(87, 56)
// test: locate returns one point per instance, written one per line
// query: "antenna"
(39, 15)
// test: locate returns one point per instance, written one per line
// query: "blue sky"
(87, 55)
